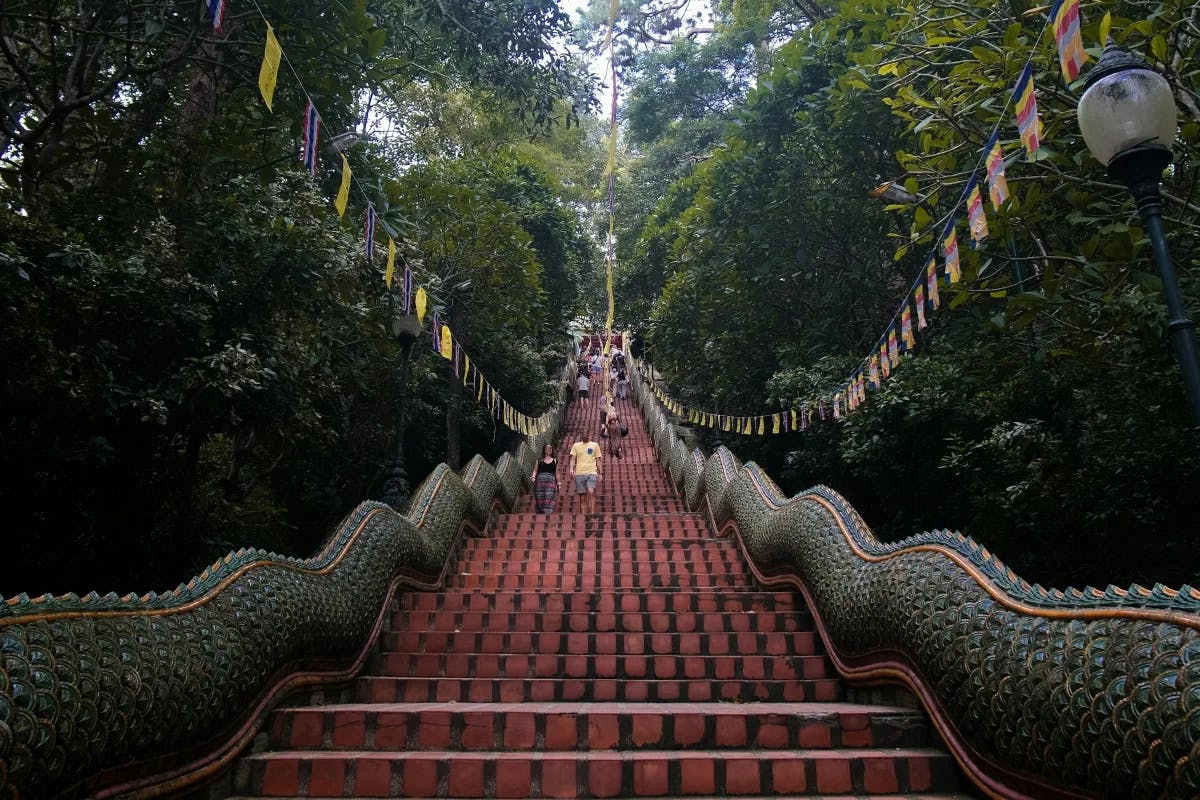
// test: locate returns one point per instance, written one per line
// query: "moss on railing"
(1037, 692)
(104, 694)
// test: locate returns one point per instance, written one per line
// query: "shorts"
(583, 394)
(585, 482)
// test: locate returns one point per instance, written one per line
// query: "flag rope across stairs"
(627, 653)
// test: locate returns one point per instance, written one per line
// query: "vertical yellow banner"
(343, 195)
(268, 73)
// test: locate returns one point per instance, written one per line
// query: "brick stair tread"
(800, 711)
(718, 643)
(545, 690)
(816, 754)
(914, 796)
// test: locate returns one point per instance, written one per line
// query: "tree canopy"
(200, 350)
(764, 269)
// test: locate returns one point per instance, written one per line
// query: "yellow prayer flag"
(447, 343)
(762, 422)
(775, 423)
(343, 195)
(422, 301)
(479, 391)
(268, 73)
(466, 367)
(391, 263)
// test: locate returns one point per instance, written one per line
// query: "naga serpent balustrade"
(105, 696)
(1038, 693)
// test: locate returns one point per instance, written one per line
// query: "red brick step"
(565, 774)
(379, 689)
(610, 643)
(595, 726)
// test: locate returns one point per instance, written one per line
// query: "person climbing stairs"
(627, 653)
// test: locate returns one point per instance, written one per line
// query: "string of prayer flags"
(997, 184)
(268, 73)
(1025, 100)
(312, 132)
(975, 216)
(931, 282)
(919, 299)
(950, 241)
(910, 341)
(369, 232)
(1064, 18)
(216, 10)
(343, 195)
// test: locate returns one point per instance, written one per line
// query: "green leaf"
(1105, 27)
(1158, 46)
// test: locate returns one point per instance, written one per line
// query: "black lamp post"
(406, 329)
(1128, 118)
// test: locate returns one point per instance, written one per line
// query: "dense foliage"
(196, 350)
(1043, 414)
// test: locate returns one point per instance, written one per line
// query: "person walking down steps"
(585, 467)
(545, 481)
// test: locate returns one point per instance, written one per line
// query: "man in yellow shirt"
(585, 466)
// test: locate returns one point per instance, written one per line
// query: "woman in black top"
(545, 481)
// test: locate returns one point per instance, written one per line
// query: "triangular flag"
(268, 73)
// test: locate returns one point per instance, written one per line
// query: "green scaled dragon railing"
(1038, 693)
(106, 696)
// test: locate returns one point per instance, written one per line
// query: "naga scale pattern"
(98, 689)
(1047, 693)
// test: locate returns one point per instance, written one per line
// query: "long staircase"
(624, 654)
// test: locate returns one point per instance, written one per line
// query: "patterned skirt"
(545, 490)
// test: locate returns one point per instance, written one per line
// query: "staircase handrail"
(1038, 693)
(107, 696)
